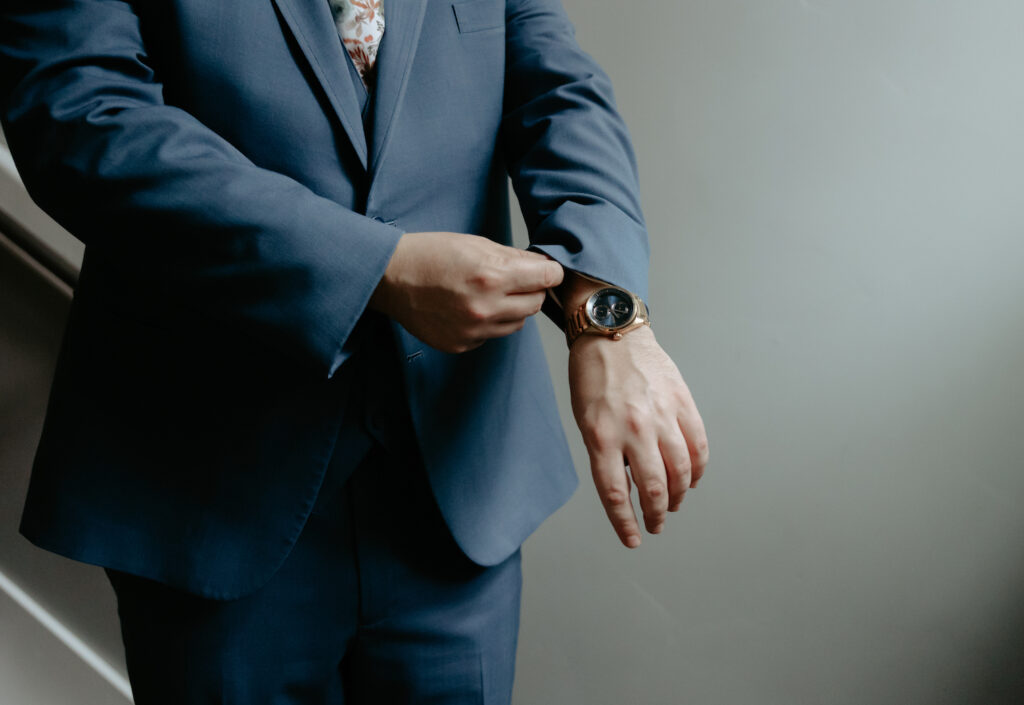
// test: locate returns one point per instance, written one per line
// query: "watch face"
(610, 308)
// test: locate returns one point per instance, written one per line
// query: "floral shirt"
(361, 26)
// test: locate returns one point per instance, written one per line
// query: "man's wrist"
(599, 344)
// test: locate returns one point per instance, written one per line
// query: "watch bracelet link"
(575, 324)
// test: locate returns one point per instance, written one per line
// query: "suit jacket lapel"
(403, 20)
(312, 26)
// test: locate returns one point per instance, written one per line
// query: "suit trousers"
(375, 604)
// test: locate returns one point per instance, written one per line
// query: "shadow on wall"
(1002, 683)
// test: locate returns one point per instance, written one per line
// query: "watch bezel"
(592, 300)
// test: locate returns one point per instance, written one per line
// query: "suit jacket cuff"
(597, 240)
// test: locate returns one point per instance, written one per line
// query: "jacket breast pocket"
(479, 15)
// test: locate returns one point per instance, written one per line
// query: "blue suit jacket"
(238, 214)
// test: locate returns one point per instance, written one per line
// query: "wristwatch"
(610, 312)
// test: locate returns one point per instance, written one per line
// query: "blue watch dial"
(611, 308)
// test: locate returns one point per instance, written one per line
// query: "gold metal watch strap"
(576, 323)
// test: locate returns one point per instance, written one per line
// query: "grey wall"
(834, 197)
(833, 194)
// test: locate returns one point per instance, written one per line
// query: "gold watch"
(610, 311)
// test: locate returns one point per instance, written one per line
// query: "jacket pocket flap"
(477, 15)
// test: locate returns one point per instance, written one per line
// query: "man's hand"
(453, 291)
(633, 407)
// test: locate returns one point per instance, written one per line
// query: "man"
(301, 414)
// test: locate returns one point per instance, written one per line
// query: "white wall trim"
(18, 205)
(93, 660)
(7, 164)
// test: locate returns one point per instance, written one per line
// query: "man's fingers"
(612, 484)
(500, 330)
(696, 436)
(527, 254)
(511, 318)
(529, 273)
(676, 457)
(516, 307)
(648, 471)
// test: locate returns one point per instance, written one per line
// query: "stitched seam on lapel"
(328, 84)
(400, 97)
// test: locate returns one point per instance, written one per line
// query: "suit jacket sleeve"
(568, 153)
(149, 188)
